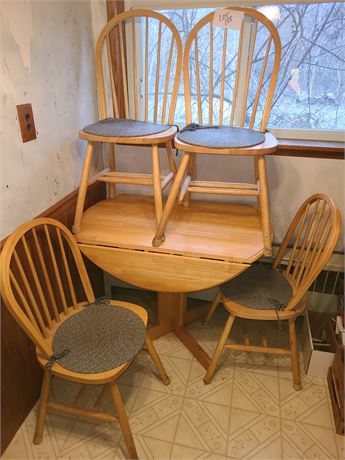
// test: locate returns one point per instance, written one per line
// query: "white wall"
(47, 59)
(292, 180)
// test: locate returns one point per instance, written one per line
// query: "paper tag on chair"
(228, 19)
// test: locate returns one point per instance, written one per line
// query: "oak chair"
(142, 109)
(45, 285)
(229, 80)
(280, 292)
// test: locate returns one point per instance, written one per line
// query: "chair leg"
(192, 172)
(157, 190)
(256, 174)
(159, 237)
(294, 355)
(219, 349)
(156, 360)
(264, 204)
(213, 307)
(171, 160)
(42, 408)
(123, 419)
(111, 162)
(83, 188)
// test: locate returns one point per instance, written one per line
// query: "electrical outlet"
(26, 122)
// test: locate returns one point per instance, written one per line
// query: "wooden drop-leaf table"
(206, 244)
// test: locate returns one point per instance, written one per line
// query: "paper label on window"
(228, 19)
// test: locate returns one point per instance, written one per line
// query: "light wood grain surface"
(162, 272)
(213, 230)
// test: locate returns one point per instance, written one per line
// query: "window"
(310, 93)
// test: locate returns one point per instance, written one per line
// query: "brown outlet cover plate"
(26, 122)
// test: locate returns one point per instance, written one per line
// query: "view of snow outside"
(310, 92)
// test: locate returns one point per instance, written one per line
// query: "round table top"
(206, 243)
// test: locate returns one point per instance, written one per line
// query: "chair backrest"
(230, 74)
(149, 48)
(39, 266)
(309, 243)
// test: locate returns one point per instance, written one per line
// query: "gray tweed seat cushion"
(220, 137)
(118, 127)
(99, 338)
(259, 287)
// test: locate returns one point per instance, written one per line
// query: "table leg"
(164, 313)
(172, 311)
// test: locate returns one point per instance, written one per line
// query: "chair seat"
(112, 127)
(99, 338)
(221, 137)
(259, 287)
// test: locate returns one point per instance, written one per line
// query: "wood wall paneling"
(330, 150)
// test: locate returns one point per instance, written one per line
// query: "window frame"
(181, 4)
(279, 133)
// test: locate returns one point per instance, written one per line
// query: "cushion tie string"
(100, 301)
(278, 305)
(178, 130)
(55, 357)
(195, 126)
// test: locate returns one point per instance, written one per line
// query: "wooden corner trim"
(311, 149)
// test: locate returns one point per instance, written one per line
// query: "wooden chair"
(149, 100)
(236, 94)
(43, 279)
(266, 293)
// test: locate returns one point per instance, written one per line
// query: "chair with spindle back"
(280, 292)
(229, 80)
(143, 100)
(46, 288)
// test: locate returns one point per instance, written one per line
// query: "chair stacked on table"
(235, 124)
(127, 122)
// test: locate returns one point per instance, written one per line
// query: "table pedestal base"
(173, 316)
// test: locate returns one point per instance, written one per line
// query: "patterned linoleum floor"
(249, 411)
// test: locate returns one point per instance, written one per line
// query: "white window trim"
(279, 133)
